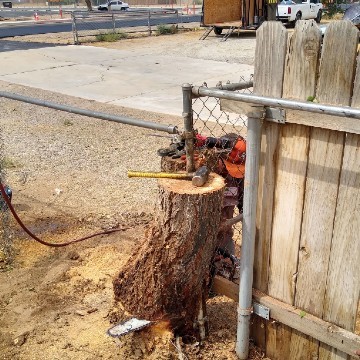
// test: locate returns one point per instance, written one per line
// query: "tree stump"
(164, 279)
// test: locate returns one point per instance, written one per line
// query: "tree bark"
(89, 5)
(165, 278)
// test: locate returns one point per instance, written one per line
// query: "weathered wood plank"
(322, 121)
(339, 47)
(299, 82)
(289, 193)
(343, 283)
(289, 188)
(271, 42)
(301, 66)
(355, 102)
(326, 152)
(296, 318)
(268, 77)
(325, 157)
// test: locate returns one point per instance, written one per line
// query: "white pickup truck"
(114, 5)
(290, 11)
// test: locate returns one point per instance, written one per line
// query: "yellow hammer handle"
(143, 174)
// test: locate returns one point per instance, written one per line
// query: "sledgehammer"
(198, 178)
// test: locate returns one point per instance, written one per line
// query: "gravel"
(77, 164)
(61, 162)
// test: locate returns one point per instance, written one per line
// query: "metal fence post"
(74, 30)
(249, 227)
(188, 127)
(149, 24)
(113, 22)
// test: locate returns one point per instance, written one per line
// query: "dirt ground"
(68, 179)
(68, 176)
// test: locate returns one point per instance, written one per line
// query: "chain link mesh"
(212, 121)
(89, 25)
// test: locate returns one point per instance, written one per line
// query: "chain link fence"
(225, 153)
(87, 26)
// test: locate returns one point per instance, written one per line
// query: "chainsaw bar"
(127, 327)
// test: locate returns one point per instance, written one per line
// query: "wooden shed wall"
(217, 12)
(220, 11)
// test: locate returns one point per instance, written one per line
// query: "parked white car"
(291, 11)
(114, 5)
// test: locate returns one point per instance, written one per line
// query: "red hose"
(8, 203)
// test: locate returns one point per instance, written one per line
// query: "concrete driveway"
(134, 78)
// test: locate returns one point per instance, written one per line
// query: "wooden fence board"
(297, 319)
(288, 205)
(301, 71)
(338, 63)
(301, 65)
(299, 82)
(300, 117)
(268, 81)
(271, 41)
(343, 285)
(323, 121)
(334, 87)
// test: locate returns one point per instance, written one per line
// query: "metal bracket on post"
(276, 115)
(261, 310)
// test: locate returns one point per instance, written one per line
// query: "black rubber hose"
(8, 203)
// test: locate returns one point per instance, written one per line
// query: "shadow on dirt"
(11, 45)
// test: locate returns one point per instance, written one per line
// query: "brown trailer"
(233, 14)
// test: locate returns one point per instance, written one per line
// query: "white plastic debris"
(127, 327)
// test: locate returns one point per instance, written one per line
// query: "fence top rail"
(99, 13)
(171, 129)
(341, 111)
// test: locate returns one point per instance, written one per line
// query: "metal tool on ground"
(8, 192)
(198, 178)
(176, 147)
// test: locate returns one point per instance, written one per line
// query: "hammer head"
(201, 176)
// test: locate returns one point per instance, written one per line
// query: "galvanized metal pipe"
(235, 86)
(188, 127)
(343, 111)
(171, 129)
(248, 234)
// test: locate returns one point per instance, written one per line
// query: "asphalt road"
(20, 29)
(15, 13)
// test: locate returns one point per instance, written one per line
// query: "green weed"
(166, 29)
(111, 37)
(7, 163)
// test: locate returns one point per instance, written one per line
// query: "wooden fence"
(307, 255)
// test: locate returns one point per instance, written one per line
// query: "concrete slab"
(128, 78)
